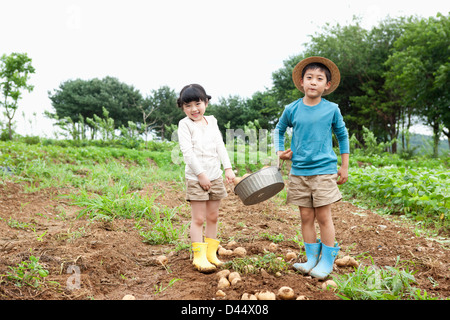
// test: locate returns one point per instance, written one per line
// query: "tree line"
(391, 74)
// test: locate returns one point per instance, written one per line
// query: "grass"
(375, 283)
(253, 264)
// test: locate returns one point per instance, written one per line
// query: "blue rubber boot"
(312, 251)
(325, 265)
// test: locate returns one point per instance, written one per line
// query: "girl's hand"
(204, 181)
(229, 175)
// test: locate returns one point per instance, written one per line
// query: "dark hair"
(317, 65)
(192, 92)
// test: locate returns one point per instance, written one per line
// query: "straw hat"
(335, 74)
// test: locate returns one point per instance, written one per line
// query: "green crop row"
(420, 193)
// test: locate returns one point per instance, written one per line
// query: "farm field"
(89, 223)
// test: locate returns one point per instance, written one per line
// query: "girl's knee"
(198, 221)
(212, 217)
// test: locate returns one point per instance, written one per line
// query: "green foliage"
(87, 98)
(253, 264)
(15, 70)
(374, 283)
(421, 193)
(418, 71)
(27, 273)
(160, 227)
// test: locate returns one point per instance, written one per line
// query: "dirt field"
(113, 261)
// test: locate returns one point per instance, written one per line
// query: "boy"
(314, 176)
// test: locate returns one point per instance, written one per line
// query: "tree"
(87, 98)
(419, 68)
(162, 110)
(15, 70)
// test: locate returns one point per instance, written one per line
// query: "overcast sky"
(230, 47)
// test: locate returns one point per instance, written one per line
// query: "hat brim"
(334, 70)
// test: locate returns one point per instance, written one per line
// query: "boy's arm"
(279, 132)
(343, 170)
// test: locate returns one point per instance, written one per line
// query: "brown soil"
(114, 261)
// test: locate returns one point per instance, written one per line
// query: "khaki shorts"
(195, 192)
(313, 191)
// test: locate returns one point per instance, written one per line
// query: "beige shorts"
(195, 192)
(313, 191)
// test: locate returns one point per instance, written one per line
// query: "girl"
(203, 152)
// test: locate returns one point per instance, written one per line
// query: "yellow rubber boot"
(200, 262)
(211, 253)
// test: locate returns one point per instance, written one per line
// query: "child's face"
(315, 83)
(195, 110)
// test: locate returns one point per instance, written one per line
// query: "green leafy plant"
(269, 262)
(375, 283)
(27, 273)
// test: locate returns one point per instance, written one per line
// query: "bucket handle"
(280, 166)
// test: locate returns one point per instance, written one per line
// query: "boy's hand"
(285, 155)
(229, 175)
(342, 175)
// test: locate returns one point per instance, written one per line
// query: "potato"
(347, 261)
(236, 281)
(237, 180)
(240, 252)
(220, 293)
(249, 268)
(224, 252)
(223, 274)
(329, 283)
(291, 256)
(273, 247)
(286, 293)
(223, 283)
(233, 275)
(248, 296)
(162, 260)
(266, 295)
(232, 244)
(301, 298)
(128, 297)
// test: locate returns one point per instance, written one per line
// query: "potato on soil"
(224, 252)
(248, 296)
(240, 252)
(286, 293)
(223, 283)
(232, 244)
(220, 293)
(233, 275)
(347, 261)
(329, 283)
(266, 295)
(223, 274)
(128, 297)
(162, 260)
(291, 256)
(273, 247)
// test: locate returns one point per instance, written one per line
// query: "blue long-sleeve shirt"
(312, 143)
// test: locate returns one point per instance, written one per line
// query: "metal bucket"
(260, 186)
